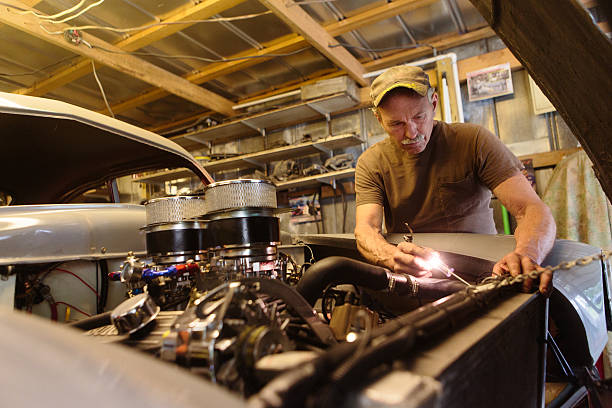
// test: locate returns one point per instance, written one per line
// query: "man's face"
(408, 119)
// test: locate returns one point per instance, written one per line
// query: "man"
(437, 177)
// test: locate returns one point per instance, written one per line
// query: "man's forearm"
(535, 232)
(373, 246)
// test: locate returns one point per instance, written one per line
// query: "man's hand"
(517, 264)
(411, 259)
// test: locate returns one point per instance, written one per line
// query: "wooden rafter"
(127, 64)
(281, 45)
(134, 42)
(318, 37)
(570, 62)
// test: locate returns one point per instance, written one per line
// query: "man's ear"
(434, 100)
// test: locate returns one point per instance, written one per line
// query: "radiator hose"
(337, 270)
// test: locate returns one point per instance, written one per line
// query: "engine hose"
(93, 322)
(339, 270)
(336, 270)
(101, 305)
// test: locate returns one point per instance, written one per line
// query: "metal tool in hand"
(434, 262)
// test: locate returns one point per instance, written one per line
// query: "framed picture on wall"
(489, 82)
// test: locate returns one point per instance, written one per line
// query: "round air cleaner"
(243, 230)
(173, 209)
(175, 230)
(230, 194)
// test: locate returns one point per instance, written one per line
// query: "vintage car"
(207, 309)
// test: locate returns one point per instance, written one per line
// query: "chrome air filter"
(230, 194)
(243, 229)
(174, 209)
(175, 231)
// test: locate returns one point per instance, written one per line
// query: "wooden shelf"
(281, 117)
(316, 179)
(259, 159)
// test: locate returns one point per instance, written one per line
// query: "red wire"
(79, 278)
(73, 307)
(53, 307)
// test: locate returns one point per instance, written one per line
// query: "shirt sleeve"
(369, 187)
(495, 162)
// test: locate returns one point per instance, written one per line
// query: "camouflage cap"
(404, 76)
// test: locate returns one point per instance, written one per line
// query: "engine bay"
(216, 295)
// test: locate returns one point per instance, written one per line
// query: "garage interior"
(279, 90)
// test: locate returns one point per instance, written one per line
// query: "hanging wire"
(152, 54)
(43, 16)
(161, 23)
(38, 70)
(51, 19)
(93, 67)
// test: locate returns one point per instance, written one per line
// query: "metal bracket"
(260, 130)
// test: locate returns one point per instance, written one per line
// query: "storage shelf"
(258, 159)
(254, 124)
(316, 179)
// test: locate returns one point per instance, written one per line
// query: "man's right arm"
(403, 258)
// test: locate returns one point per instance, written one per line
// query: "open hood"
(52, 151)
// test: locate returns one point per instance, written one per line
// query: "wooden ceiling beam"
(127, 64)
(301, 22)
(135, 41)
(570, 62)
(293, 42)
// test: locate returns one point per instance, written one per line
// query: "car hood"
(52, 151)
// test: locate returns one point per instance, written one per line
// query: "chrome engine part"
(232, 194)
(201, 242)
(175, 230)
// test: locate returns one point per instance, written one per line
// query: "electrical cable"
(400, 47)
(161, 23)
(73, 307)
(93, 67)
(46, 17)
(86, 9)
(38, 70)
(78, 277)
(195, 57)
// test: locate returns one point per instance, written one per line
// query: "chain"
(584, 261)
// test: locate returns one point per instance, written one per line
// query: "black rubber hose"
(103, 286)
(339, 270)
(93, 322)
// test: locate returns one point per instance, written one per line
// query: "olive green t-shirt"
(445, 188)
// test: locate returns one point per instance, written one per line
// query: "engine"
(214, 294)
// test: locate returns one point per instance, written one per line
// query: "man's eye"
(395, 124)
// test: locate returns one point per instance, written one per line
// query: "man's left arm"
(534, 234)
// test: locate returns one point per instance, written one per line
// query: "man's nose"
(411, 130)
